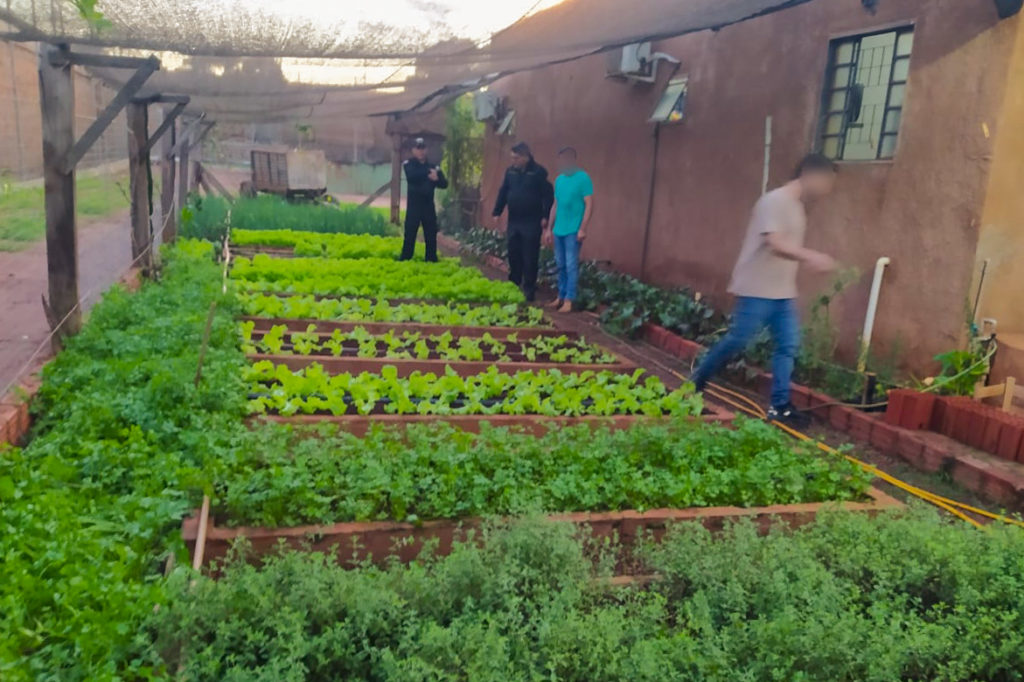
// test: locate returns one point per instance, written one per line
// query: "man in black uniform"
(528, 195)
(421, 178)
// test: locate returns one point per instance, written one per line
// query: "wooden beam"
(377, 193)
(168, 212)
(168, 121)
(163, 99)
(57, 108)
(186, 134)
(138, 179)
(107, 116)
(63, 56)
(396, 177)
(212, 180)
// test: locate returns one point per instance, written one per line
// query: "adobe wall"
(921, 209)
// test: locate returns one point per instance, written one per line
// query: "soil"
(104, 252)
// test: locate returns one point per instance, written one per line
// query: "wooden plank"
(212, 180)
(378, 192)
(57, 108)
(168, 121)
(107, 116)
(396, 177)
(102, 60)
(138, 179)
(168, 212)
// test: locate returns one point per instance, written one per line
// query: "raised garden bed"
(365, 309)
(327, 327)
(538, 425)
(354, 543)
(406, 367)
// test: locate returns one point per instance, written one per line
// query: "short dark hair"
(568, 151)
(522, 149)
(815, 163)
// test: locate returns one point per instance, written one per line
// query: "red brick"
(800, 395)
(1011, 436)
(898, 400)
(979, 420)
(990, 439)
(933, 458)
(938, 416)
(883, 436)
(839, 417)
(910, 448)
(917, 413)
(963, 414)
(861, 424)
(8, 422)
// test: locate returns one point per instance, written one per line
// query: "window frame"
(829, 90)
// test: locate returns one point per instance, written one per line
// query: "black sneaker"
(788, 415)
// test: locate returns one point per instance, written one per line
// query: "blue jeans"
(748, 318)
(567, 257)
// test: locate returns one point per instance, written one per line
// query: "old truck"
(291, 173)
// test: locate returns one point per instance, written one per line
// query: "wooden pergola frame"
(62, 153)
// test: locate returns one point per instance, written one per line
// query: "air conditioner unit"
(486, 105)
(631, 62)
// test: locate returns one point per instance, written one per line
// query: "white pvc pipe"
(869, 318)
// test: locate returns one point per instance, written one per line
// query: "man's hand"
(432, 175)
(543, 223)
(581, 235)
(497, 223)
(819, 262)
(547, 238)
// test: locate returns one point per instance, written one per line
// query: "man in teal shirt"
(570, 215)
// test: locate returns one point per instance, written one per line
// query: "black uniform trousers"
(417, 213)
(524, 254)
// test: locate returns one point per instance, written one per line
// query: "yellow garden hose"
(748, 406)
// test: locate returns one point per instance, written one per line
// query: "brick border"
(355, 541)
(998, 481)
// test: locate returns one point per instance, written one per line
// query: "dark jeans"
(523, 255)
(414, 216)
(748, 318)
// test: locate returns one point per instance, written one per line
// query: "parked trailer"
(290, 173)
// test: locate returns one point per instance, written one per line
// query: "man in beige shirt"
(764, 280)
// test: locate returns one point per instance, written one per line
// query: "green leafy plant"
(901, 597)
(277, 341)
(275, 388)
(446, 280)
(382, 310)
(435, 471)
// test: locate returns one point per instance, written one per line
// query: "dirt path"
(104, 252)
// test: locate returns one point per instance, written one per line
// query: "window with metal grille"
(865, 86)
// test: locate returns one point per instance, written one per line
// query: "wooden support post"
(183, 167)
(138, 178)
(196, 180)
(396, 178)
(168, 211)
(57, 105)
